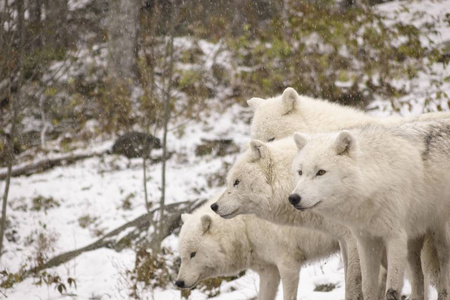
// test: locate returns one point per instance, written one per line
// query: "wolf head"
(277, 117)
(325, 169)
(256, 178)
(202, 249)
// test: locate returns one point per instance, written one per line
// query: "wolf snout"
(214, 206)
(294, 199)
(179, 283)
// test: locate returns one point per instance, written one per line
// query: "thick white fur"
(281, 116)
(260, 182)
(390, 185)
(226, 247)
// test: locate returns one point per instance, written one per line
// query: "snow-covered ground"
(90, 198)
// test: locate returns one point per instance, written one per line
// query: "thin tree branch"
(113, 239)
(15, 107)
(8, 176)
(167, 118)
(46, 164)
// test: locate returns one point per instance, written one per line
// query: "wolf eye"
(236, 183)
(300, 172)
(271, 140)
(321, 172)
(193, 254)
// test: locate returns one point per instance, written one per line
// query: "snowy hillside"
(95, 189)
(75, 205)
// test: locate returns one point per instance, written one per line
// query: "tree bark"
(3, 19)
(15, 112)
(167, 98)
(144, 168)
(35, 23)
(150, 93)
(56, 23)
(46, 164)
(122, 29)
(8, 175)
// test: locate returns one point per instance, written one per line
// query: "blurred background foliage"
(59, 69)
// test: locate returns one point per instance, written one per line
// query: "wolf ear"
(255, 102)
(288, 100)
(185, 217)
(345, 143)
(258, 149)
(300, 140)
(206, 223)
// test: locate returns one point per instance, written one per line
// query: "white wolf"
(260, 182)
(280, 116)
(390, 185)
(211, 246)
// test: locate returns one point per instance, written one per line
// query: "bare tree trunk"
(238, 19)
(35, 11)
(44, 121)
(285, 18)
(8, 177)
(167, 98)
(15, 109)
(4, 45)
(122, 27)
(144, 168)
(46, 164)
(154, 24)
(56, 22)
(151, 93)
(35, 8)
(3, 14)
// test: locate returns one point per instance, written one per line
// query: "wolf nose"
(294, 199)
(214, 206)
(180, 283)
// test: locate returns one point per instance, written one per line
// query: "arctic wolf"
(260, 182)
(280, 116)
(390, 185)
(212, 246)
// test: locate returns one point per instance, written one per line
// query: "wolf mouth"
(230, 215)
(191, 286)
(204, 275)
(301, 208)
